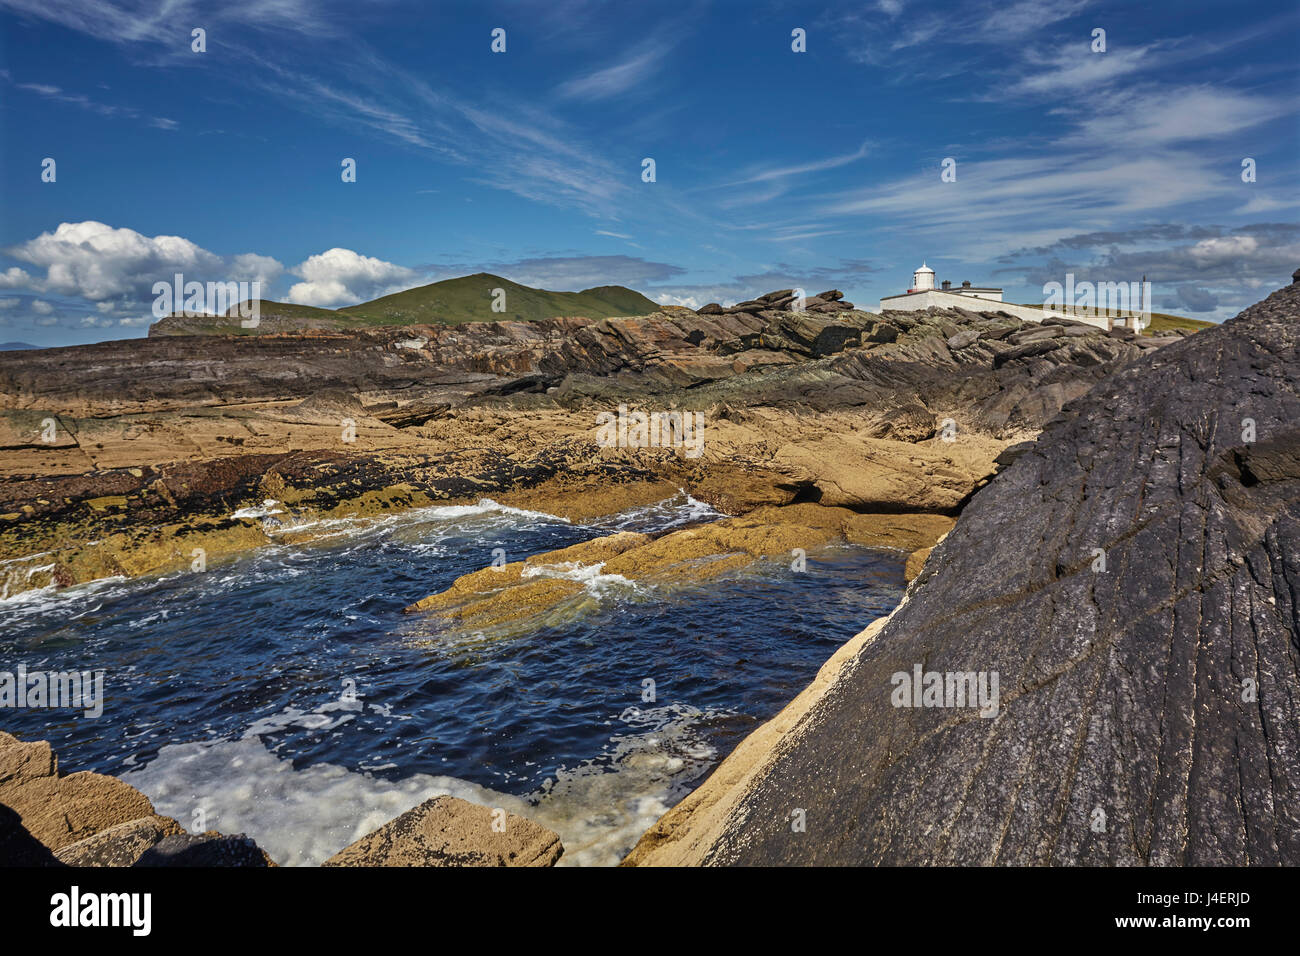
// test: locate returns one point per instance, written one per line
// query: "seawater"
(285, 695)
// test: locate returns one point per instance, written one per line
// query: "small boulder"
(205, 849)
(964, 339)
(448, 831)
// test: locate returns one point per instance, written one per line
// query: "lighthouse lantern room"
(922, 279)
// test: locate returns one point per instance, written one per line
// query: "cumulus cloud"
(116, 268)
(97, 262)
(339, 277)
(1223, 249)
(250, 267)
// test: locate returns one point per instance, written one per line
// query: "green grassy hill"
(470, 298)
(449, 302)
(1160, 322)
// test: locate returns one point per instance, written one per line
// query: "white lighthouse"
(922, 279)
(925, 295)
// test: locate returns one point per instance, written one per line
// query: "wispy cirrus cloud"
(618, 78)
(108, 110)
(800, 169)
(517, 145)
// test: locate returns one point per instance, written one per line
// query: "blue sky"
(773, 168)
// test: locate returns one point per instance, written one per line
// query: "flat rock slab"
(448, 831)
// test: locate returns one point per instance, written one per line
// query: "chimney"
(965, 283)
(948, 285)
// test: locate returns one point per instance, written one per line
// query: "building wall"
(920, 301)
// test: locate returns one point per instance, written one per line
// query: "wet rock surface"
(1149, 707)
(448, 831)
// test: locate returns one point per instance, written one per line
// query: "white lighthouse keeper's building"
(923, 294)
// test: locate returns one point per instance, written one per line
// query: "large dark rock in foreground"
(1149, 713)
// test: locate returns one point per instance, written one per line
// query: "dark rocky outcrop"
(1149, 706)
(123, 458)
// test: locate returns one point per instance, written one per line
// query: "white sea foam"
(304, 816)
(299, 817)
(51, 596)
(669, 513)
(269, 507)
(590, 576)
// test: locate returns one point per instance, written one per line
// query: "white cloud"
(41, 307)
(86, 103)
(116, 268)
(339, 277)
(1160, 117)
(250, 267)
(15, 278)
(97, 262)
(816, 166)
(1225, 248)
(1076, 67)
(613, 80)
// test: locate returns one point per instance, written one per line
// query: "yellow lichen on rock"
(494, 596)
